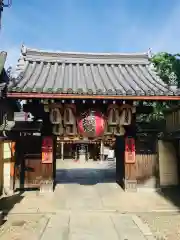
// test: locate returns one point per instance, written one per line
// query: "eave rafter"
(69, 96)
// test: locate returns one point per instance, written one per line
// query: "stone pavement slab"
(164, 225)
(92, 226)
(72, 226)
(101, 197)
(126, 228)
(57, 227)
(20, 227)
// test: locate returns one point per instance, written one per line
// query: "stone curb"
(38, 211)
(144, 228)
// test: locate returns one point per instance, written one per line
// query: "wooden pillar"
(12, 167)
(62, 151)
(47, 182)
(130, 181)
(1, 167)
(120, 162)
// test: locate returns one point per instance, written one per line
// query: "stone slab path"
(89, 186)
(75, 226)
(87, 204)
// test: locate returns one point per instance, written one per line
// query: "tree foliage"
(168, 67)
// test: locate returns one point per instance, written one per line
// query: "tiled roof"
(86, 73)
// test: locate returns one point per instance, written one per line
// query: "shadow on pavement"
(87, 176)
(8, 202)
(171, 194)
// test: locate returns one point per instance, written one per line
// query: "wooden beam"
(74, 96)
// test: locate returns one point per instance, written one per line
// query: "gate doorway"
(93, 169)
(30, 172)
(72, 151)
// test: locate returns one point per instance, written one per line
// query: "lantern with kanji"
(91, 124)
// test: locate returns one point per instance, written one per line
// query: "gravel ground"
(23, 227)
(164, 226)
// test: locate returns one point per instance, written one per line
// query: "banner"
(130, 155)
(47, 150)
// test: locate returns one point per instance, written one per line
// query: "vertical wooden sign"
(130, 156)
(47, 150)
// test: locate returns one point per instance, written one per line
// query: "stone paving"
(86, 204)
(74, 226)
(164, 226)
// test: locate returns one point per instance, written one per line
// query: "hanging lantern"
(91, 124)
(120, 131)
(70, 119)
(55, 116)
(57, 129)
(46, 108)
(69, 114)
(113, 115)
(125, 115)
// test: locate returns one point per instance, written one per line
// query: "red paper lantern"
(91, 124)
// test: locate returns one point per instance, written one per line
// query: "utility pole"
(3, 4)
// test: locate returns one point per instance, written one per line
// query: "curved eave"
(74, 96)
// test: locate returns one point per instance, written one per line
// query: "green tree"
(168, 67)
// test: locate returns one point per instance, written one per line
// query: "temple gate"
(90, 103)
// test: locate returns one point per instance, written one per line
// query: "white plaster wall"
(7, 157)
(168, 169)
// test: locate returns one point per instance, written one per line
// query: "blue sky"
(91, 26)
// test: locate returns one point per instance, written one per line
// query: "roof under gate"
(87, 74)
